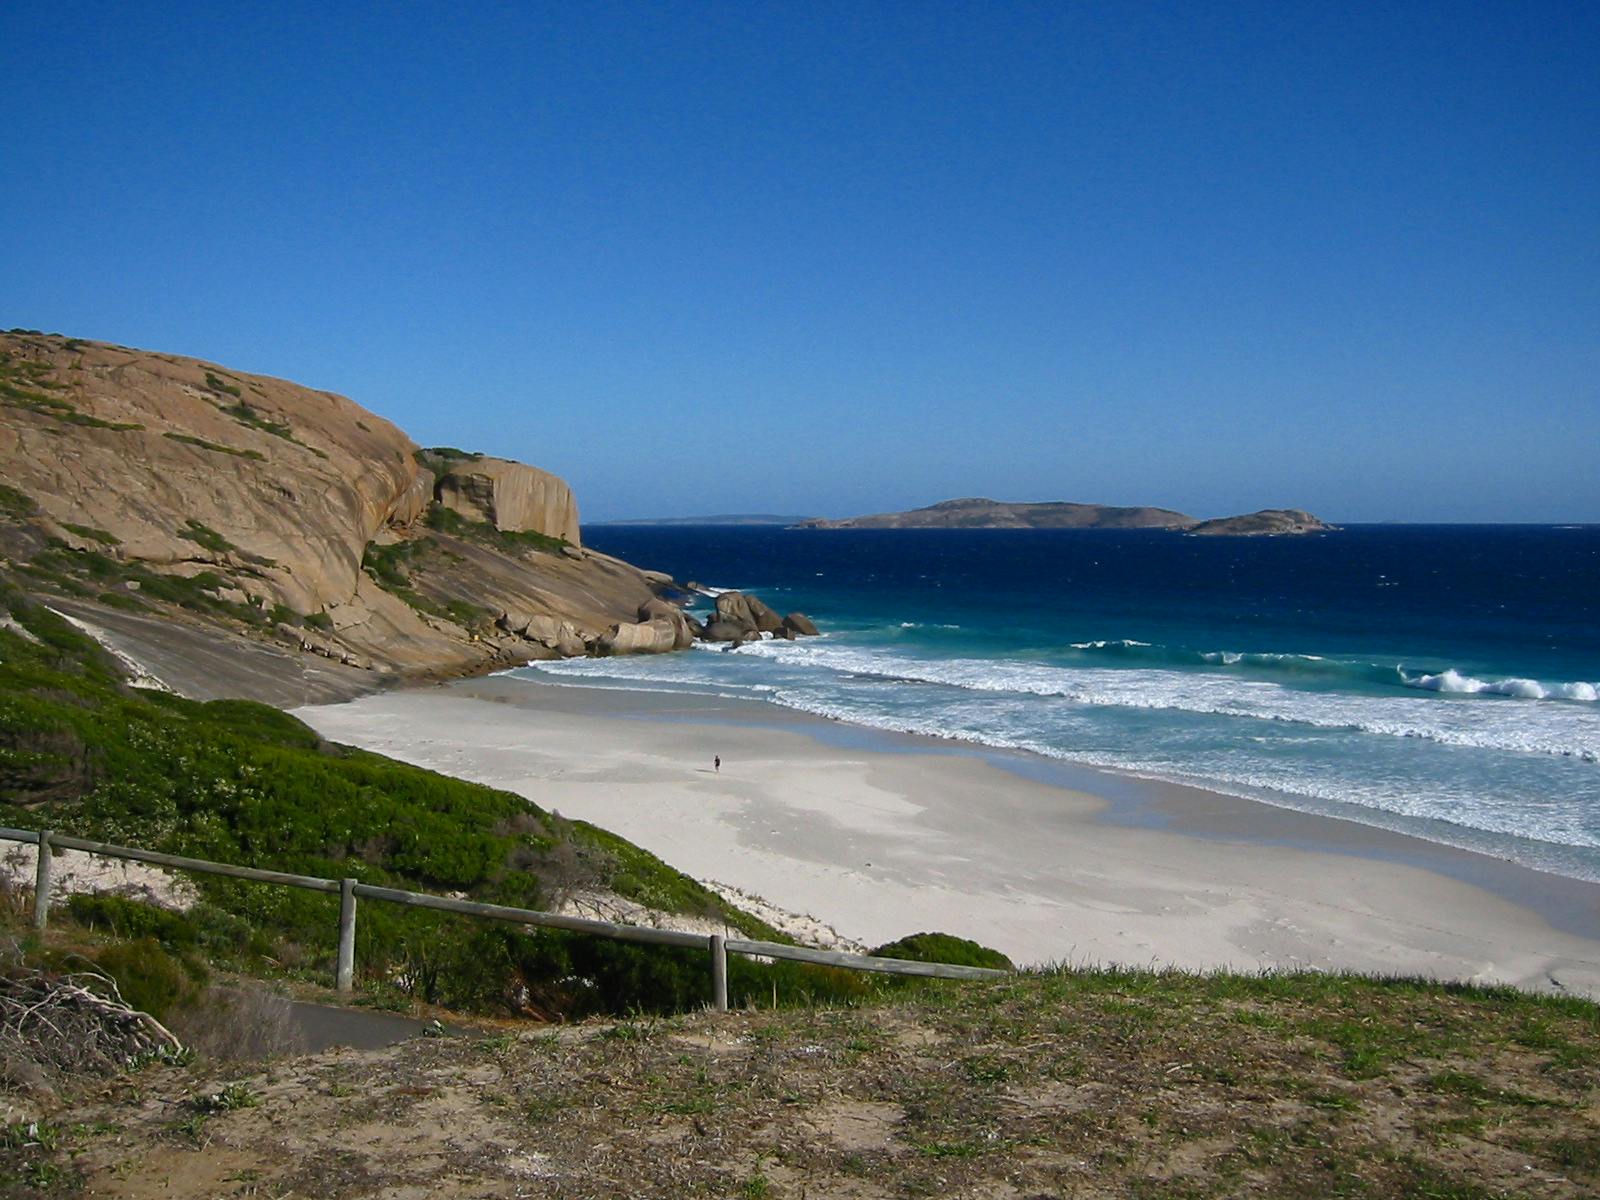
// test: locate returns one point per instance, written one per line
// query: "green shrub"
(148, 978)
(220, 385)
(216, 447)
(204, 536)
(944, 948)
(448, 520)
(90, 532)
(126, 918)
(16, 504)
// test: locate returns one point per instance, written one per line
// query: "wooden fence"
(349, 891)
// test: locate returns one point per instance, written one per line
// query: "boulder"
(659, 579)
(657, 609)
(735, 607)
(801, 624)
(765, 619)
(641, 637)
(721, 629)
(550, 632)
(748, 610)
(514, 622)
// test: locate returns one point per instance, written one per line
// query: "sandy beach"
(883, 835)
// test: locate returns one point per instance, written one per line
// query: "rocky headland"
(224, 526)
(981, 513)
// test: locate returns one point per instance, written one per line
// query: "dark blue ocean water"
(1440, 680)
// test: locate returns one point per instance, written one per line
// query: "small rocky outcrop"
(1269, 522)
(742, 618)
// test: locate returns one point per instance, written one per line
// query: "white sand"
(884, 843)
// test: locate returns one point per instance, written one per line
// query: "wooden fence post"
(41, 881)
(719, 972)
(345, 973)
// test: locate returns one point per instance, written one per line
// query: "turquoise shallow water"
(1437, 680)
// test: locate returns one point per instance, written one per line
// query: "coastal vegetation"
(236, 781)
(215, 447)
(507, 541)
(1140, 1084)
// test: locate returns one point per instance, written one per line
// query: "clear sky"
(837, 258)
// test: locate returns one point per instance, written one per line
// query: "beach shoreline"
(883, 834)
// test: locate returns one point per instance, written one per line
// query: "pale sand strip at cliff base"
(885, 840)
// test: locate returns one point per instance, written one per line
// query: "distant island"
(982, 513)
(719, 519)
(1266, 523)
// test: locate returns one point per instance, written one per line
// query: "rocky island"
(1269, 522)
(982, 513)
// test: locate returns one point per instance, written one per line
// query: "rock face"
(1269, 522)
(156, 451)
(979, 513)
(212, 498)
(510, 496)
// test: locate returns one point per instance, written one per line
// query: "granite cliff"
(208, 517)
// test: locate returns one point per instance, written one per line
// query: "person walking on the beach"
(716, 763)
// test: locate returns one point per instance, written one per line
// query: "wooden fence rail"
(349, 890)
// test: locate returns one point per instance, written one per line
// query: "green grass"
(447, 520)
(70, 570)
(233, 781)
(205, 537)
(26, 384)
(391, 568)
(248, 415)
(216, 447)
(220, 385)
(16, 504)
(93, 534)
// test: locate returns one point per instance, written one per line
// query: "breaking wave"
(1568, 732)
(1310, 667)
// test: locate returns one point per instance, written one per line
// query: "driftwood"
(77, 1024)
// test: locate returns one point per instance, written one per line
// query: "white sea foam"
(1452, 681)
(1559, 730)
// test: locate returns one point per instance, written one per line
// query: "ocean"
(1440, 681)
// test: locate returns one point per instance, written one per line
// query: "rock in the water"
(735, 607)
(801, 624)
(721, 629)
(766, 620)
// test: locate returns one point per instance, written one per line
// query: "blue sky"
(820, 258)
